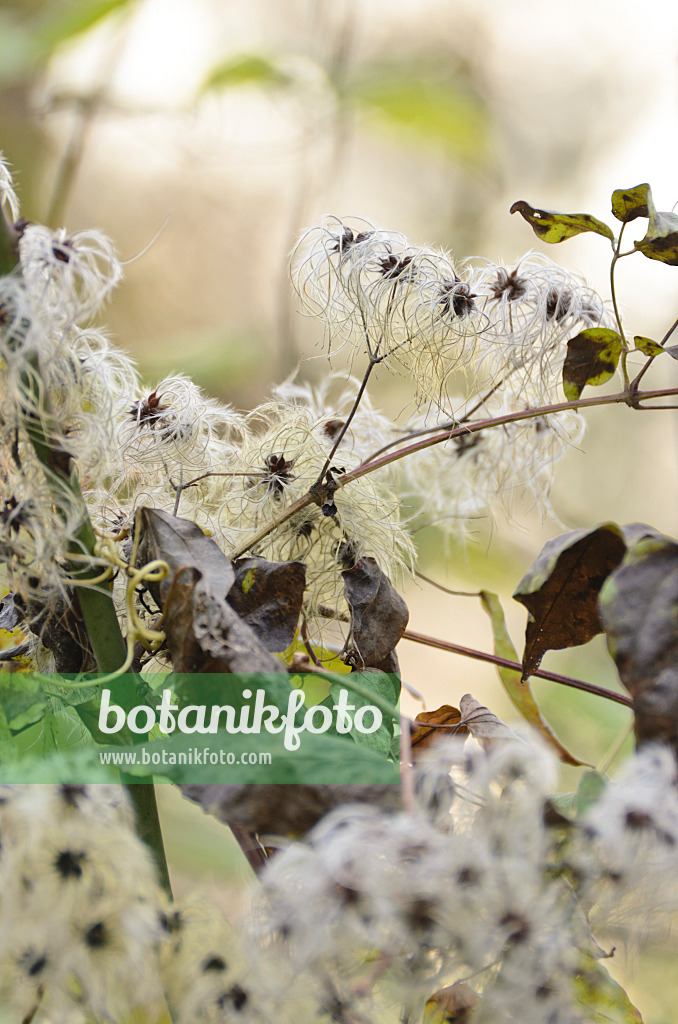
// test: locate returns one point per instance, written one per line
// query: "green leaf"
(8, 751)
(429, 103)
(382, 686)
(589, 791)
(22, 699)
(560, 590)
(321, 759)
(554, 227)
(63, 730)
(592, 358)
(661, 241)
(601, 995)
(519, 692)
(73, 766)
(62, 22)
(245, 69)
(639, 612)
(652, 348)
(630, 203)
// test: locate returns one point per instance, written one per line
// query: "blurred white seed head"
(533, 309)
(9, 202)
(403, 304)
(68, 277)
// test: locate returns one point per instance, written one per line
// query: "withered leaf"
(554, 227)
(268, 596)
(592, 358)
(639, 611)
(203, 632)
(378, 614)
(560, 590)
(451, 1005)
(210, 635)
(424, 734)
(181, 543)
(482, 723)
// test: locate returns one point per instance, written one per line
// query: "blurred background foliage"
(204, 135)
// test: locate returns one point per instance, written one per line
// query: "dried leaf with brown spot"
(518, 690)
(424, 733)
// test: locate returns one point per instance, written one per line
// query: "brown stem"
(623, 397)
(251, 847)
(347, 422)
(469, 652)
(446, 590)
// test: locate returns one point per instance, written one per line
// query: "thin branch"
(613, 293)
(406, 776)
(670, 331)
(622, 398)
(446, 590)
(251, 847)
(347, 422)
(494, 659)
(635, 383)
(282, 517)
(307, 642)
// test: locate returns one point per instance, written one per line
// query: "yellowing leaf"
(554, 227)
(592, 358)
(652, 348)
(603, 997)
(630, 203)
(661, 241)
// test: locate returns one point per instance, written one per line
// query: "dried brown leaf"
(424, 734)
(268, 596)
(482, 723)
(378, 615)
(560, 590)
